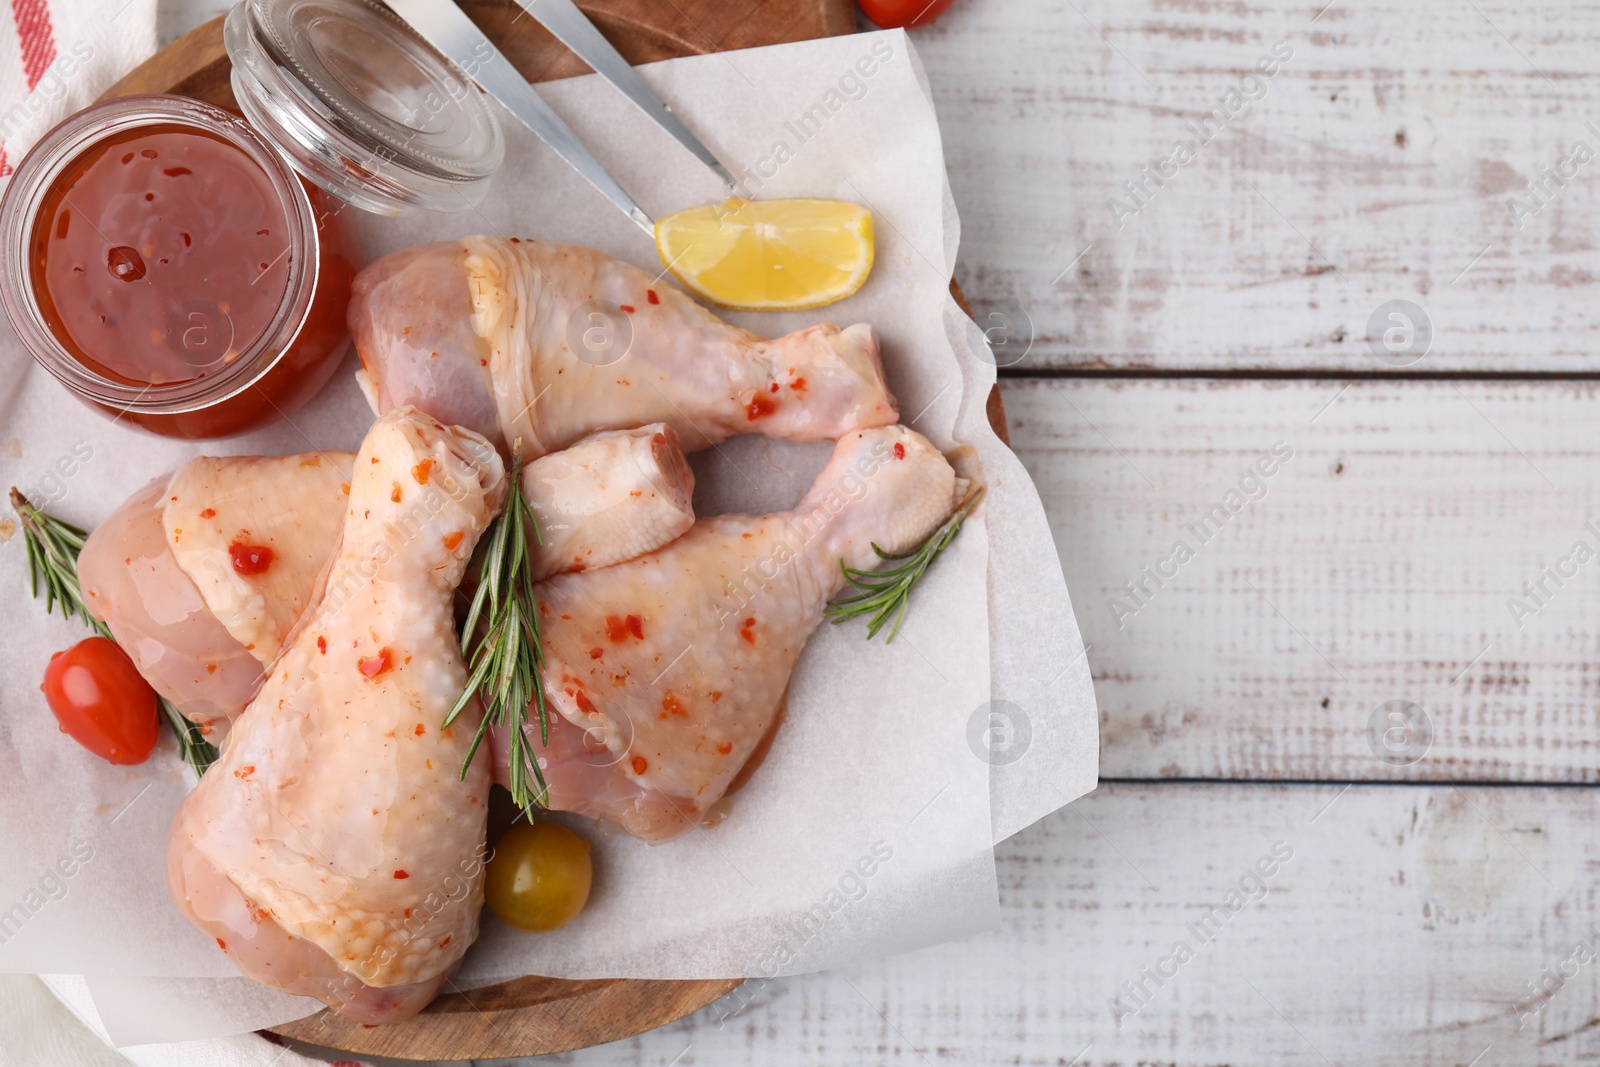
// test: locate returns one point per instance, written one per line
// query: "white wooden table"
(1437, 879)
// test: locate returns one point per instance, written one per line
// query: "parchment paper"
(870, 828)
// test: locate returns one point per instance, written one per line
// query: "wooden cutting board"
(533, 1016)
(530, 1016)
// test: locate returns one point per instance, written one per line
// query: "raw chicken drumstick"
(336, 849)
(608, 498)
(179, 574)
(201, 573)
(549, 342)
(665, 673)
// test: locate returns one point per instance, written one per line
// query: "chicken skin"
(180, 575)
(549, 343)
(666, 673)
(336, 848)
(200, 574)
(608, 498)
(253, 534)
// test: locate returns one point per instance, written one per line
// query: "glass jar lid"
(361, 105)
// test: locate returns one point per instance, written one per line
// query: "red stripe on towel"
(38, 39)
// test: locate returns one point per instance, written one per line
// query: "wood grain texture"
(1378, 164)
(1380, 563)
(525, 1017)
(1415, 920)
(1405, 929)
(196, 64)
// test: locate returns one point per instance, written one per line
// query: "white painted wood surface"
(1381, 562)
(1412, 918)
(1378, 165)
(1404, 930)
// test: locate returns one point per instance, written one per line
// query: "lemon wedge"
(769, 255)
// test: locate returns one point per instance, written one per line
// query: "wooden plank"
(1385, 561)
(1405, 929)
(1379, 163)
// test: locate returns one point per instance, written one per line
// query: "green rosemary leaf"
(196, 751)
(502, 644)
(881, 594)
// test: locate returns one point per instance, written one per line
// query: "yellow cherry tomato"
(539, 877)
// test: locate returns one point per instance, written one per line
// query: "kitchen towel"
(56, 56)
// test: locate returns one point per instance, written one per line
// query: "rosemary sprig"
(505, 658)
(881, 594)
(53, 547)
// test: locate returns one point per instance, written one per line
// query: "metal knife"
(572, 28)
(448, 29)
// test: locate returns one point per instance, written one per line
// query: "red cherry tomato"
(893, 14)
(100, 700)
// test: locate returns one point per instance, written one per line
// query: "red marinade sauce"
(160, 255)
(250, 559)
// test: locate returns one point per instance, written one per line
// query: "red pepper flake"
(447, 940)
(401, 874)
(344, 487)
(211, 668)
(748, 630)
(452, 539)
(249, 559)
(773, 388)
(671, 705)
(209, 513)
(626, 307)
(322, 644)
(395, 494)
(716, 695)
(223, 945)
(899, 450)
(618, 628)
(725, 748)
(650, 295)
(760, 407)
(420, 730)
(583, 702)
(420, 471)
(798, 385)
(246, 771)
(640, 765)
(596, 653)
(372, 666)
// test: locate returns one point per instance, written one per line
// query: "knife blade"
(448, 29)
(572, 27)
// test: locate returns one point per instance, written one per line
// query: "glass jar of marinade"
(185, 268)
